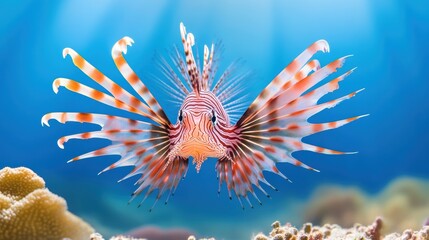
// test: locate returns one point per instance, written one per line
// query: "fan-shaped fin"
(272, 127)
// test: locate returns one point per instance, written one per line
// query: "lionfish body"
(267, 133)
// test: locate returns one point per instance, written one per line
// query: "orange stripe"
(293, 102)
(79, 61)
(132, 122)
(259, 156)
(286, 85)
(312, 64)
(140, 152)
(319, 149)
(74, 86)
(264, 93)
(292, 127)
(269, 149)
(133, 110)
(300, 75)
(84, 117)
(351, 119)
(276, 80)
(99, 152)
(86, 135)
(122, 42)
(116, 90)
(119, 61)
(112, 131)
(134, 101)
(274, 129)
(152, 101)
(63, 117)
(135, 131)
(97, 76)
(147, 159)
(155, 171)
(133, 78)
(247, 169)
(298, 145)
(298, 112)
(144, 90)
(97, 95)
(130, 143)
(276, 139)
(293, 66)
(119, 104)
(317, 127)
(166, 179)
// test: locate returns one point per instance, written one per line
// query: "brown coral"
(335, 205)
(403, 204)
(30, 211)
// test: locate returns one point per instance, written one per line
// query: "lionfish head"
(197, 132)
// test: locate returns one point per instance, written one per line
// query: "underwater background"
(389, 41)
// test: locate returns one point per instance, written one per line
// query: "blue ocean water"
(387, 38)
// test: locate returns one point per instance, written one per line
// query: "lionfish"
(268, 132)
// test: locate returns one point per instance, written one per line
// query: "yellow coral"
(30, 211)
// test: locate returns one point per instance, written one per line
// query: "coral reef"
(403, 204)
(28, 210)
(152, 233)
(193, 238)
(334, 232)
(97, 236)
(155, 233)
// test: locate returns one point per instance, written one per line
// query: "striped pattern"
(132, 78)
(268, 132)
(201, 129)
(199, 82)
(193, 72)
(285, 75)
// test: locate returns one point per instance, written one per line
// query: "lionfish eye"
(213, 116)
(180, 116)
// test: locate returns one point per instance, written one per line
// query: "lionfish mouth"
(200, 150)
